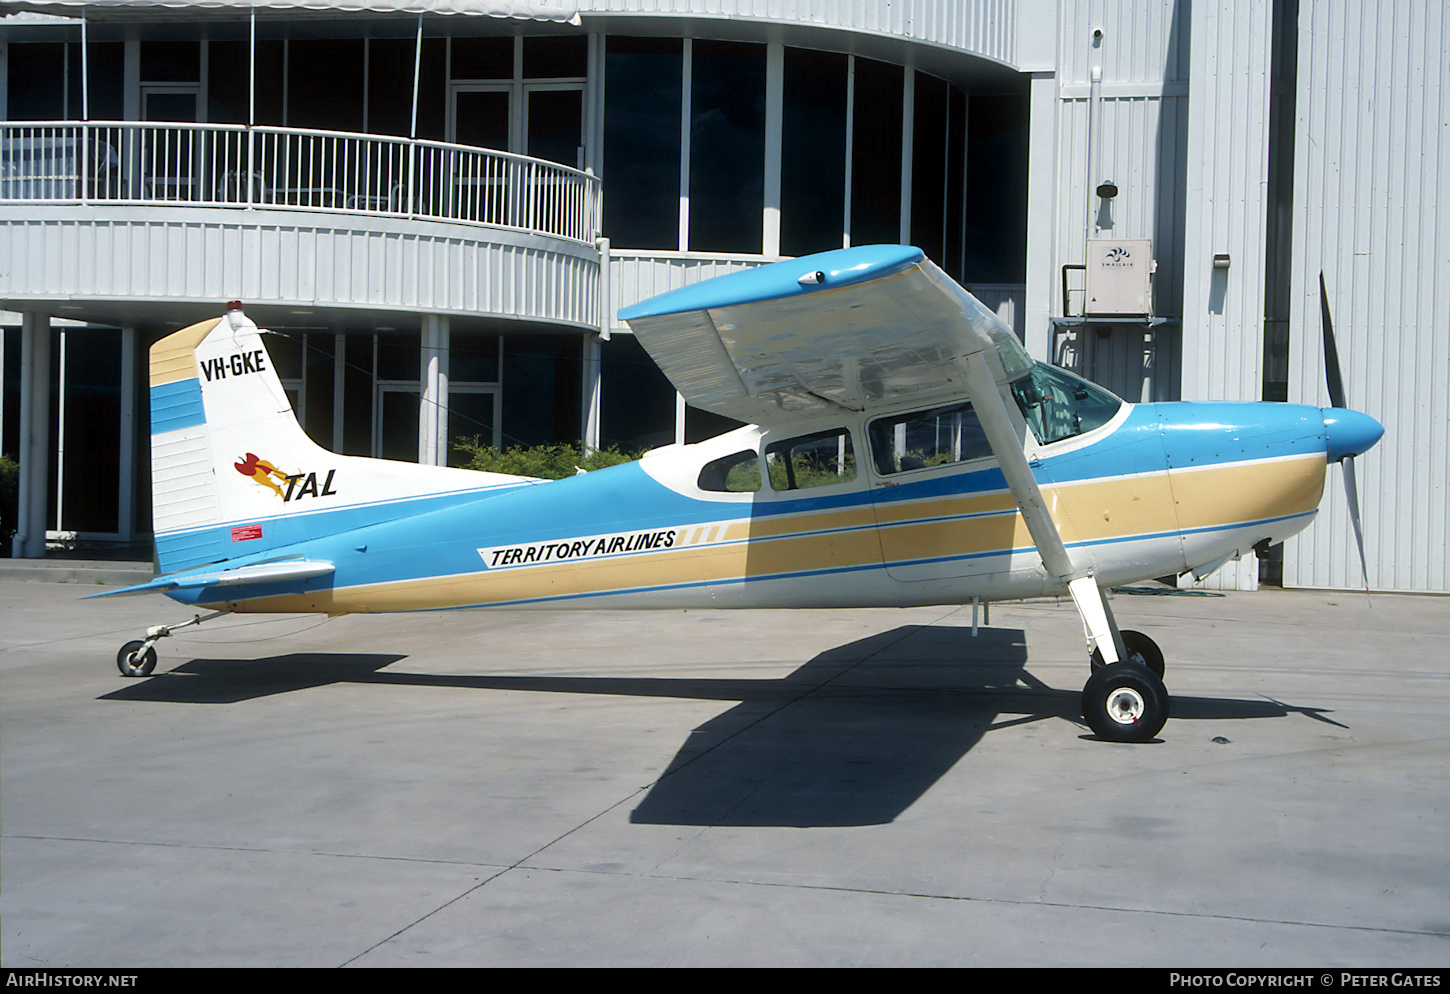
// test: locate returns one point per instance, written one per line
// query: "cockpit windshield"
(1058, 404)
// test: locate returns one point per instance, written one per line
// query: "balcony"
(132, 211)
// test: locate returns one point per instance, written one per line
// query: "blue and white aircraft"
(901, 449)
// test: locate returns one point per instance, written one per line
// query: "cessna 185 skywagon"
(902, 449)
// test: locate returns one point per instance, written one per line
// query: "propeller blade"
(1335, 379)
(1331, 354)
(1351, 495)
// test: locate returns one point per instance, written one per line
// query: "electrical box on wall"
(1120, 277)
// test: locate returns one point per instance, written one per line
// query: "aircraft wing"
(858, 329)
(273, 572)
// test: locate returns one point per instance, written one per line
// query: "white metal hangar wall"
(1286, 137)
(1371, 211)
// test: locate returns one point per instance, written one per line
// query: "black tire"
(1141, 650)
(131, 661)
(1124, 702)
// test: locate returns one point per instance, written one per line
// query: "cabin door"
(941, 504)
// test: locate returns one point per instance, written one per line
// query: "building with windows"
(442, 204)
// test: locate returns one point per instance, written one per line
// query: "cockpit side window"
(1057, 404)
(738, 473)
(820, 459)
(936, 437)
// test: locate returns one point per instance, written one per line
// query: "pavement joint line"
(250, 849)
(636, 792)
(488, 880)
(1013, 902)
(522, 864)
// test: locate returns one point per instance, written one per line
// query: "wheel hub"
(1126, 706)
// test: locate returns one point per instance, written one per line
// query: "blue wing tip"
(793, 277)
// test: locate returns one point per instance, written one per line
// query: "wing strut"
(992, 413)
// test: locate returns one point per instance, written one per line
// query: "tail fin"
(232, 472)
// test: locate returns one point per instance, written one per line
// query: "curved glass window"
(734, 474)
(1058, 404)
(821, 459)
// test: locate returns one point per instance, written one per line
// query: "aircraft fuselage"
(1159, 489)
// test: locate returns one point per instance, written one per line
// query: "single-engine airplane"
(901, 448)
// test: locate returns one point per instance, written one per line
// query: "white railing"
(220, 165)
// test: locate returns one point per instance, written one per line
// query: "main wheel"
(1124, 702)
(1141, 650)
(131, 661)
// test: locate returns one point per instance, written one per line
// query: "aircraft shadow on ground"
(853, 737)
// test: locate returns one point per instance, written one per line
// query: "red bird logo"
(260, 469)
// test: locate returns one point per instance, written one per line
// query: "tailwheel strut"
(138, 658)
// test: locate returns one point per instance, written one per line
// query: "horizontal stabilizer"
(276, 572)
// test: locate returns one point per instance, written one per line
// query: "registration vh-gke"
(900, 449)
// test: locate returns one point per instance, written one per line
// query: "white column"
(686, 72)
(908, 139)
(339, 371)
(850, 147)
(29, 540)
(774, 115)
(433, 412)
(590, 391)
(1042, 272)
(125, 505)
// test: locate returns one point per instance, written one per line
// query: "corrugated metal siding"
(1144, 42)
(1372, 211)
(981, 27)
(1142, 150)
(1228, 157)
(1142, 147)
(196, 254)
(1006, 300)
(1142, 132)
(639, 275)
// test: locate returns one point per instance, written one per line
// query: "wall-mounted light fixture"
(1220, 260)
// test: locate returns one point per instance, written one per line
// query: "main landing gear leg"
(1124, 699)
(138, 658)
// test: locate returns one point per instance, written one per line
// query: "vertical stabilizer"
(232, 472)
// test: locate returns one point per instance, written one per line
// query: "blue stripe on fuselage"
(185, 550)
(440, 536)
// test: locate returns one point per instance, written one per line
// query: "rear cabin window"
(820, 459)
(921, 439)
(738, 473)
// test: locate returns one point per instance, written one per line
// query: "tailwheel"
(136, 659)
(1141, 650)
(1125, 702)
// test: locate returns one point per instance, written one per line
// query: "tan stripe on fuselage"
(1091, 511)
